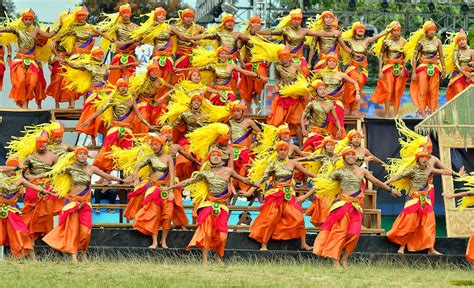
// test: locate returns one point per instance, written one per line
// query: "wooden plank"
(447, 181)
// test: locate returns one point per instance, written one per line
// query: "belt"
(429, 61)
(25, 56)
(81, 50)
(394, 61)
(162, 53)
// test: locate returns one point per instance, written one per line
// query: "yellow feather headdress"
(127, 159)
(264, 50)
(202, 138)
(410, 45)
(61, 180)
(78, 80)
(449, 50)
(150, 29)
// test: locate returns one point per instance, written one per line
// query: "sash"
(85, 44)
(297, 48)
(84, 192)
(337, 90)
(243, 137)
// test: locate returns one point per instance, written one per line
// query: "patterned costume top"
(25, 39)
(7, 187)
(237, 130)
(278, 171)
(155, 164)
(224, 38)
(292, 38)
(428, 49)
(163, 38)
(392, 50)
(78, 175)
(191, 120)
(36, 166)
(349, 181)
(284, 75)
(96, 69)
(460, 60)
(216, 184)
(190, 31)
(417, 176)
(316, 113)
(58, 150)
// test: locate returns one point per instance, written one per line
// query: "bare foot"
(336, 264)
(345, 261)
(164, 245)
(432, 251)
(264, 248)
(401, 250)
(306, 247)
(218, 259)
(84, 257)
(74, 258)
(153, 246)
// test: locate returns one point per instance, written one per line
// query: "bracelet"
(258, 76)
(352, 53)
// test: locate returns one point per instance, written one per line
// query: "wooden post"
(445, 157)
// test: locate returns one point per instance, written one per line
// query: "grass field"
(190, 273)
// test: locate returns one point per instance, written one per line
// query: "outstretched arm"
(380, 184)
(300, 168)
(102, 174)
(242, 179)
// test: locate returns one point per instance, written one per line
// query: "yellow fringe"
(62, 181)
(78, 80)
(216, 113)
(299, 88)
(264, 50)
(265, 139)
(110, 98)
(327, 187)
(410, 45)
(448, 52)
(259, 164)
(150, 29)
(21, 147)
(127, 159)
(109, 25)
(202, 138)
(198, 190)
(201, 56)
(314, 24)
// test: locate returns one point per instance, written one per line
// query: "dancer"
(281, 216)
(294, 36)
(392, 73)
(209, 188)
(118, 110)
(424, 51)
(157, 206)
(321, 115)
(357, 70)
(459, 65)
(13, 230)
(341, 230)
(119, 26)
(363, 154)
(56, 144)
(24, 70)
(2, 58)
(249, 87)
(72, 179)
(415, 227)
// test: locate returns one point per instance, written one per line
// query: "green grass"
(148, 272)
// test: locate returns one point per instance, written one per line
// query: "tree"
(139, 7)
(7, 7)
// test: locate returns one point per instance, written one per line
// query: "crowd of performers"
(178, 129)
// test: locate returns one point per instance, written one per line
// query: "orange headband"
(166, 129)
(160, 11)
(284, 131)
(122, 83)
(223, 139)
(97, 52)
(157, 139)
(238, 106)
(326, 140)
(348, 151)
(460, 35)
(151, 68)
(318, 84)
(329, 57)
(125, 9)
(42, 138)
(428, 148)
(12, 162)
(57, 132)
(212, 152)
(82, 12)
(282, 145)
(228, 18)
(187, 13)
(80, 149)
(429, 26)
(196, 96)
(327, 13)
(28, 14)
(422, 154)
(352, 134)
(359, 25)
(222, 49)
(296, 16)
(255, 20)
(283, 54)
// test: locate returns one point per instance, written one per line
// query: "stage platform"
(114, 243)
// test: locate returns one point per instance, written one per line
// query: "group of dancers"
(178, 128)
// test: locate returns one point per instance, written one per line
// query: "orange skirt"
(74, 231)
(156, 212)
(179, 217)
(348, 98)
(470, 249)
(135, 200)
(13, 233)
(415, 229)
(38, 217)
(279, 221)
(207, 236)
(319, 210)
(251, 87)
(425, 92)
(184, 168)
(96, 125)
(330, 243)
(457, 84)
(24, 81)
(390, 88)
